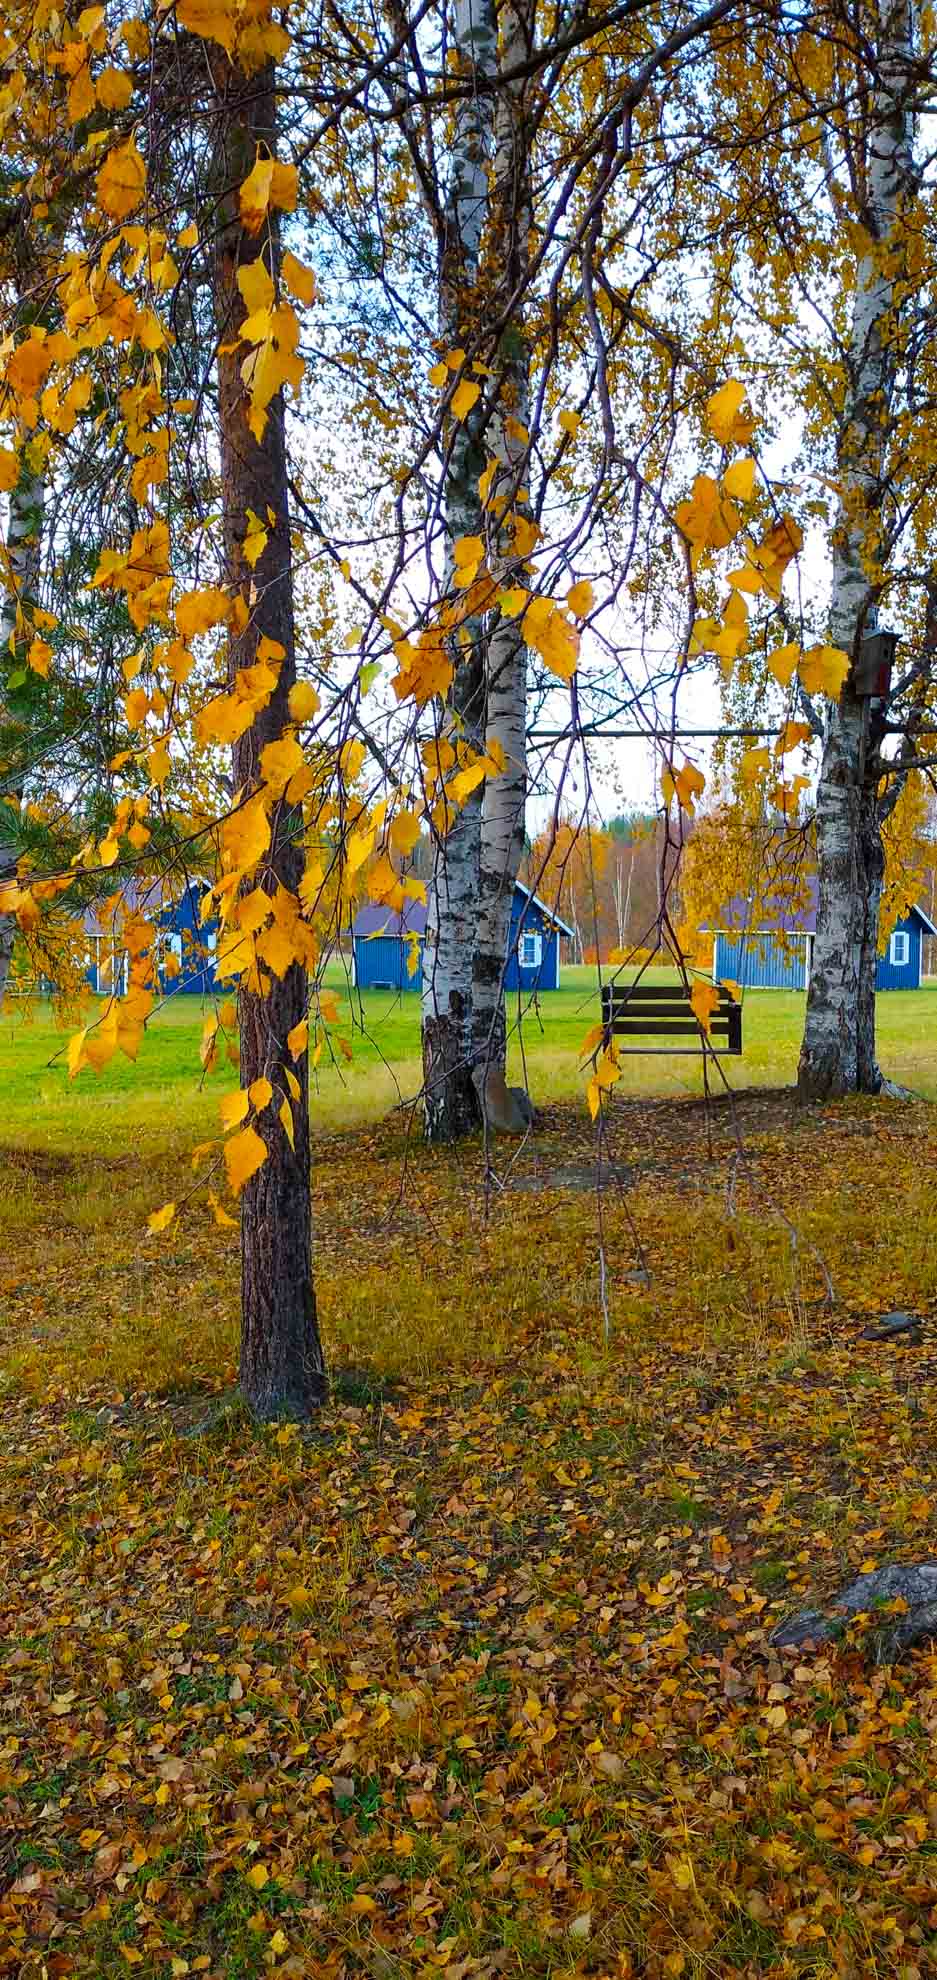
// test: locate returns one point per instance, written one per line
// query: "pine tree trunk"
(449, 1098)
(282, 1371)
(24, 550)
(838, 1050)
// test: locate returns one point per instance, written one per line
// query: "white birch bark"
(450, 1106)
(26, 504)
(838, 1050)
(504, 798)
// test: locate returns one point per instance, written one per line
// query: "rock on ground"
(913, 1585)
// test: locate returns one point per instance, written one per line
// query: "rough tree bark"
(450, 1103)
(24, 550)
(503, 803)
(838, 1050)
(282, 1371)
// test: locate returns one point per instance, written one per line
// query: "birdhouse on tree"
(873, 664)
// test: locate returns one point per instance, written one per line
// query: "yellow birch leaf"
(299, 279)
(293, 1083)
(298, 1039)
(570, 422)
(438, 374)
(76, 1055)
(121, 181)
(255, 195)
(782, 663)
(580, 598)
(39, 657)
(286, 1119)
(303, 701)
(704, 1000)
(405, 831)
(791, 736)
(233, 1108)
(464, 398)
(244, 1154)
(823, 670)
(113, 89)
(260, 1094)
(257, 1876)
(255, 541)
(159, 1220)
(739, 479)
(753, 763)
(724, 417)
(9, 470)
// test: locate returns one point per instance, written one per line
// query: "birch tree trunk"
(838, 1050)
(504, 798)
(450, 1104)
(282, 1371)
(24, 551)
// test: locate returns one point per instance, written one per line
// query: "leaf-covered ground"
(474, 1677)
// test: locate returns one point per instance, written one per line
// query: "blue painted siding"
(180, 932)
(758, 962)
(901, 976)
(527, 919)
(381, 961)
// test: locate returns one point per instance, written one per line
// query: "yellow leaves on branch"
(725, 419)
(704, 1002)
(121, 181)
(823, 670)
(607, 1073)
(465, 396)
(244, 1154)
(273, 329)
(686, 785)
(197, 611)
(270, 184)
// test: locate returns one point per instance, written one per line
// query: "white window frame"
(530, 955)
(899, 954)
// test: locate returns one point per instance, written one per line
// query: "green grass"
(164, 1101)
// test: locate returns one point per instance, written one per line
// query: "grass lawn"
(473, 1678)
(159, 1101)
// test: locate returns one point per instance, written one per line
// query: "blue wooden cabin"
(778, 954)
(181, 935)
(382, 952)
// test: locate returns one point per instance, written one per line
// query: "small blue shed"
(183, 942)
(778, 953)
(382, 951)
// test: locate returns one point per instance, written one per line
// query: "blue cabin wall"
(180, 931)
(527, 919)
(902, 976)
(193, 945)
(381, 960)
(758, 962)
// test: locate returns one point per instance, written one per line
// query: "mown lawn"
(472, 1678)
(163, 1097)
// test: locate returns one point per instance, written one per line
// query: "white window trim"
(899, 954)
(531, 938)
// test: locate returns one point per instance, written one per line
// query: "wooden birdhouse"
(873, 664)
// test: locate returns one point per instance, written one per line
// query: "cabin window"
(900, 948)
(531, 949)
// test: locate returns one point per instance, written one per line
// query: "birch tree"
(838, 1051)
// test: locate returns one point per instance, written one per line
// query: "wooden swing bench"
(637, 1010)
